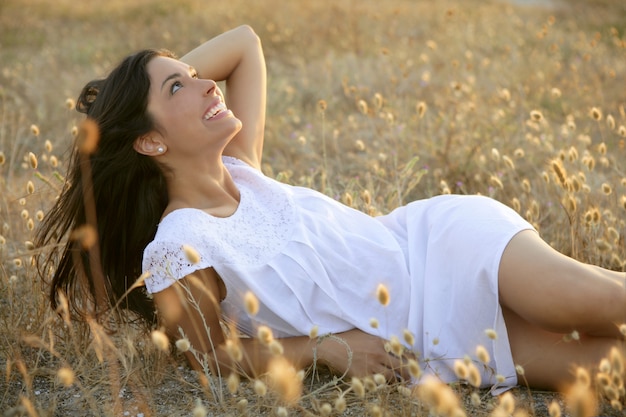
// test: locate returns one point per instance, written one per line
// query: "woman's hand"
(368, 356)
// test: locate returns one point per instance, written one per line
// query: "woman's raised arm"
(236, 57)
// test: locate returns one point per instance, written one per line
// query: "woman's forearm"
(251, 357)
(354, 353)
(218, 58)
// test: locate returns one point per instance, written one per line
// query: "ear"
(150, 144)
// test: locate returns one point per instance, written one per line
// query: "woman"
(175, 184)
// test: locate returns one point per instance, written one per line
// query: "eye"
(176, 85)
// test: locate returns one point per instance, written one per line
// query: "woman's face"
(190, 114)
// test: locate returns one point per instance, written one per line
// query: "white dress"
(312, 261)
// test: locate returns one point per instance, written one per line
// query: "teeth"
(215, 110)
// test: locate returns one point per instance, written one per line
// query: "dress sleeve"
(167, 262)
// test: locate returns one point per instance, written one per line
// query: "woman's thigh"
(558, 293)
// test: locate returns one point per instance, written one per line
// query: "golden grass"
(374, 103)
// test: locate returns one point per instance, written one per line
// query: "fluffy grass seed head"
(421, 109)
(505, 94)
(475, 399)
(340, 404)
(460, 369)
(554, 409)
(408, 337)
(536, 116)
(610, 121)
(491, 334)
(438, 396)
(32, 160)
(357, 386)
(233, 382)
(3, 158)
(617, 360)
(495, 154)
(415, 369)
(70, 104)
(34, 129)
(507, 402)
(160, 340)
(314, 332)
(369, 383)
(347, 199)
(508, 162)
(65, 376)
(378, 101)
(284, 380)
(580, 398)
(325, 409)
(191, 254)
(395, 346)
(366, 196)
(362, 106)
(559, 171)
(242, 406)
(260, 388)
(473, 375)
(595, 113)
(379, 379)
(233, 349)
(183, 344)
(265, 335)
(251, 303)
(199, 410)
(375, 410)
(482, 354)
(382, 294)
(276, 347)
(496, 182)
(374, 323)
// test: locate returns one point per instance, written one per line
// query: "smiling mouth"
(215, 110)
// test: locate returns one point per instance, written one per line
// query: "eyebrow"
(170, 77)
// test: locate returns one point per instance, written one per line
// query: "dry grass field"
(375, 103)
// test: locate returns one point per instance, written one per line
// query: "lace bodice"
(250, 236)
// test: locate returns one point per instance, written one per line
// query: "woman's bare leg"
(548, 360)
(545, 295)
(558, 293)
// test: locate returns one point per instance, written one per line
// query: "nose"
(209, 87)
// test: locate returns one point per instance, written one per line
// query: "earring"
(160, 149)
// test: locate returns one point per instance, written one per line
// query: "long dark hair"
(113, 194)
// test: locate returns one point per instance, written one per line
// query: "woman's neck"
(205, 186)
